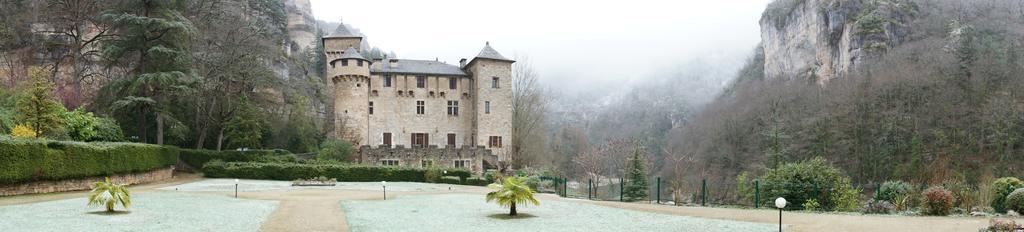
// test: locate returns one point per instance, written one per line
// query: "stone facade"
(472, 158)
(84, 183)
(384, 104)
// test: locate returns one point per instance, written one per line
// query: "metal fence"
(692, 192)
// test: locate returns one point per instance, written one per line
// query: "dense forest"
(197, 74)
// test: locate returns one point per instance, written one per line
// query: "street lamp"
(384, 184)
(445, 174)
(780, 203)
(236, 188)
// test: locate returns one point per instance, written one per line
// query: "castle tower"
(492, 75)
(349, 73)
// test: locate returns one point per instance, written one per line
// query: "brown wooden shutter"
(451, 140)
(387, 139)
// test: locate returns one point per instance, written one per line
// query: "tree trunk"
(220, 139)
(159, 129)
(142, 126)
(512, 212)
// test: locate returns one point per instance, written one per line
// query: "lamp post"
(442, 177)
(384, 185)
(780, 203)
(236, 188)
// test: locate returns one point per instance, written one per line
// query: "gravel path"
(465, 212)
(149, 212)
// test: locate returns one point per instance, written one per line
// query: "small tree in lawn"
(511, 192)
(109, 195)
(636, 176)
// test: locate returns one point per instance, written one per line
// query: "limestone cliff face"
(302, 26)
(824, 39)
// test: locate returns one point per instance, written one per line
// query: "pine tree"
(38, 108)
(636, 176)
(153, 37)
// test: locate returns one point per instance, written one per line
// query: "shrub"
(433, 174)
(107, 130)
(79, 125)
(491, 175)
(937, 201)
(1015, 201)
(812, 205)
(477, 181)
(198, 158)
(1000, 189)
(1001, 225)
(109, 194)
(873, 206)
(450, 180)
(811, 179)
(461, 173)
(24, 160)
(891, 190)
(337, 150)
(532, 181)
(23, 131)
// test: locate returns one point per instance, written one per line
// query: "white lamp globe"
(236, 181)
(780, 203)
(383, 183)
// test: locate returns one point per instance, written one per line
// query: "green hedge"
(198, 158)
(25, 160)
(478, 181)
(462, 174)
(450, 180)
(341, 172)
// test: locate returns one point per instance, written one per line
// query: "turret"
(350, 75)
(492, 75)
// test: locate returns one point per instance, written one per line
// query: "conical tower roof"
(342, 31)
(351, 53)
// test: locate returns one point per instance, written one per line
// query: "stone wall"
(498, 121)
(84, 183)
(440, 157)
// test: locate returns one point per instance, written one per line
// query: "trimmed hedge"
(478, 181)
(26, 160)
(450, 180)
(462, 174)
(341, 172)
(198, 158)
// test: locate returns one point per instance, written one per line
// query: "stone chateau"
(418, 113)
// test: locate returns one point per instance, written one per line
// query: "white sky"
(565, 40)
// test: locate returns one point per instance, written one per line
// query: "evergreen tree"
(153, 39)
(38, 108)
(636, 176)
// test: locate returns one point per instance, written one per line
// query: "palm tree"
(510, 192)
(109, 194)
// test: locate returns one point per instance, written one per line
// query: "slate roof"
(425, 67)
(351, 53)
(342, 31)
(489, 53)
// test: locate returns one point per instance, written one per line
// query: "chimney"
(393, 63)
(462, 63)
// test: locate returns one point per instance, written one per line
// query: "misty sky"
(567, 41)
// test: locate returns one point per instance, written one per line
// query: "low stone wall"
(441, 157)
(85, 183)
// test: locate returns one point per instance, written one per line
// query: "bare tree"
(528, 108)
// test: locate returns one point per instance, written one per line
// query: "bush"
(23, 131)
(491, 175)
(450, 180)
(25, 160)
(107, 130)
(878, 207)
(337, 150)
(937, 201)
(199, 158)
(891, 190)
(812, 205)
(811, 179)
(433, 174)
(462, 174)
(532, 181)
(477, 181)
(1000, 189)
(1015, 201)
(80, 125)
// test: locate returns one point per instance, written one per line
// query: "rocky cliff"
(302, 26)
(824, 39)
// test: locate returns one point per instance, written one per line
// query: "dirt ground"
(320, 210)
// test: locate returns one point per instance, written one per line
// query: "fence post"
(622, 186)
(703, 192)
(757, 194)
(565, 187)
(659, 190)
(590, 189)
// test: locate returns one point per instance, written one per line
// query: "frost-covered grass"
(461, 212)
(148, 212)
(228, 185)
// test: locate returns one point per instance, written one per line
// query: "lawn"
(149, 212)
(228, 185)
(463, 212)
